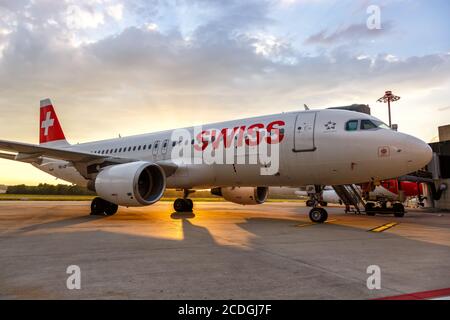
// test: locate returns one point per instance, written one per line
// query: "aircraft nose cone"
(420, 153)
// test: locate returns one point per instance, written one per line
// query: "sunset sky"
(127, 67)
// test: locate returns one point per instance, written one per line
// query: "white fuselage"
(316, 148)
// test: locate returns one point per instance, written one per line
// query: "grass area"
(38, 197)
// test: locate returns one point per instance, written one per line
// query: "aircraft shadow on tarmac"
(60, 223)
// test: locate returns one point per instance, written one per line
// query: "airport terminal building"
(439, 167)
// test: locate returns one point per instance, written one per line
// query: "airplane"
(320, 147)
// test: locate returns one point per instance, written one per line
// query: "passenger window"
(149, 146)
(351, 125)
(144, 147)
(173, 144)
(139, 148)
(129, 149)
(367, 125)
(115, 151)
(134, 148)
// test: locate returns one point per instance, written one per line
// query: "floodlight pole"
(387, 98)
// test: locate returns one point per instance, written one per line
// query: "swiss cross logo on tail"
(47, 123)
(50, 129)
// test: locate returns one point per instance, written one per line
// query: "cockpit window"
(367, 125)
(373, 124)
(381, 124)
(351, 125)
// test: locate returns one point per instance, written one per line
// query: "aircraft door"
(304, 132)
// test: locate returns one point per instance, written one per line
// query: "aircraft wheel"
(190, 204)
(310, 203)
(111, 208)
(97, 206)
(318, 215)
(183, 205)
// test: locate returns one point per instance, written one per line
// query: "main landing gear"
(100, 207)
(184, 204)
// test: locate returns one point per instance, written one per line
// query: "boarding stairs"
(350, 196)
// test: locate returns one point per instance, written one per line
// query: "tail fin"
(50, 130)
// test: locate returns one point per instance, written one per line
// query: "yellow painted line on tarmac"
(313, 223)
(384, 227)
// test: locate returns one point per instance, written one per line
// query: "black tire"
(310, 203)
(398, 207)
(180, 205)
(399, 214)
(318, 215)
(189, 204)
(97, 206)
(399, 210)
(111, 209)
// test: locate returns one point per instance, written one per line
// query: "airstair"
(350, 196)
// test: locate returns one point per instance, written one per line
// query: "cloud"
(230, 66)
(115, 11)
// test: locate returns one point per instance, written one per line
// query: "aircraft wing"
(81, 160)
(7, 156)
(26, 149)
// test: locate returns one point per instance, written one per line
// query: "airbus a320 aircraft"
(319, 147)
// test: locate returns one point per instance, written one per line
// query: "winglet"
(50, 130)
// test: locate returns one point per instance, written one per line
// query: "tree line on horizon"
(49, 189)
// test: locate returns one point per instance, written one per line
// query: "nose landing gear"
(317, 214)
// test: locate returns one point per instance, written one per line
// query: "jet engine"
(131, 184)
(242, 195)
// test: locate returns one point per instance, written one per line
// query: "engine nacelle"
(242, 195)
(133, 184)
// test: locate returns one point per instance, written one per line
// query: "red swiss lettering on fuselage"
(252, 135)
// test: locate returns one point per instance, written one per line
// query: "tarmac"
(221, 251)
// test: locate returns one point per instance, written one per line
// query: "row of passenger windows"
(365, 124)
(141, 147)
